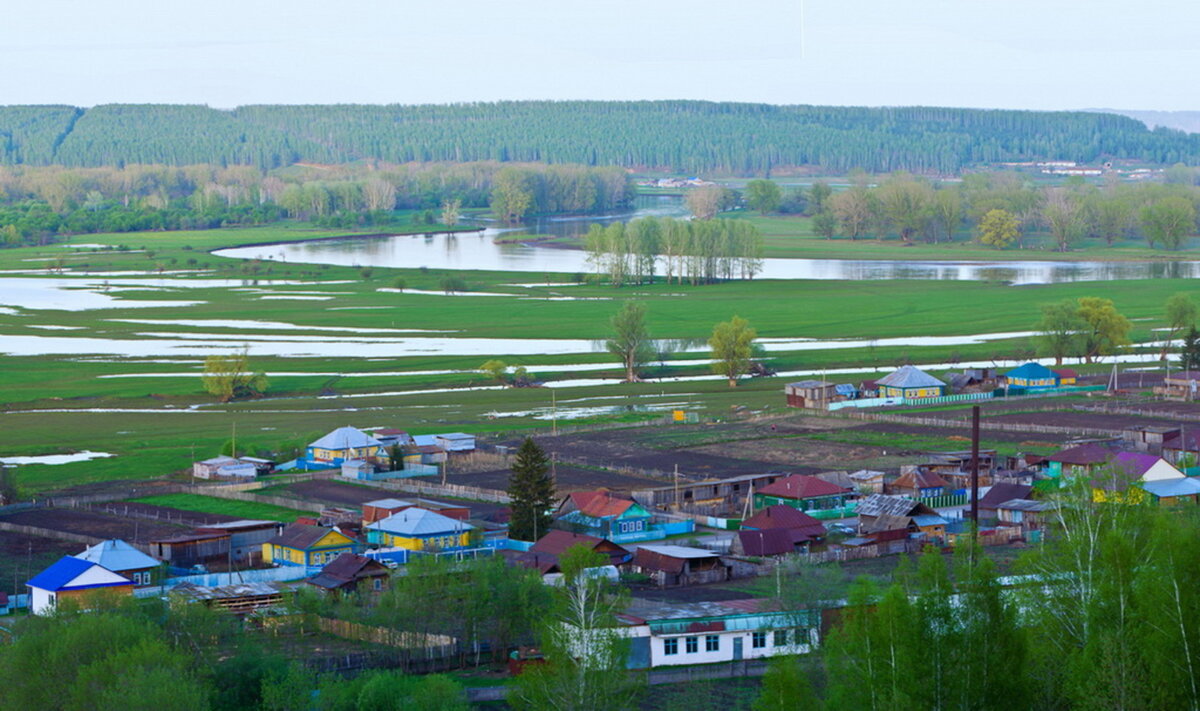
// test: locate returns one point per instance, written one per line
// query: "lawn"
(224, 507)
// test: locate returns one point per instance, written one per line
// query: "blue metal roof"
(1032, 371)
(64, 571)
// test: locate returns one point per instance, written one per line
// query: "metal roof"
(420, 522)
(117, 556)
(388, 503)
(908, 376)
(346, 438)
(884, 504)
(59, 575)
(1032, 371)
(680, 551)
(1172, 487)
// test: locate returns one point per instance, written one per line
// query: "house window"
(758, 640)
(712, 643)
(780, 638)
(670, 646)
(378, 583)
(692, 644)
(801, 636)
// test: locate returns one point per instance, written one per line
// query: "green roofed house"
(1032, 376)
(910, 382)
(806, 493)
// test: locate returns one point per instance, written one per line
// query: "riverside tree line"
(38, 203)
(684, 252)
(1001, 210)
(680, 136)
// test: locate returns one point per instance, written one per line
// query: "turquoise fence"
(944, 501)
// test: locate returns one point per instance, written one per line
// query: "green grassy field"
(156, 424)
(223, 507)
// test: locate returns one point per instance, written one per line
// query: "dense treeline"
(1000, 209)
(695, 251)
(37, 203)
(690, 136)
(1104, 617)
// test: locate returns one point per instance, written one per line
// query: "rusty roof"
(802, 486)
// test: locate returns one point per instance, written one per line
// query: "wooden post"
(975, 469)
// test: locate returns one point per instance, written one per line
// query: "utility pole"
(975, 471)
(553, 412)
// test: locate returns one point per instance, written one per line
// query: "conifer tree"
(532, 492)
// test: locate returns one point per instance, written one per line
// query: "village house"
(919, 484)
(308, 546)
(123, 559)
(881, 512)
(670, 566)
(910, 382)
(811, 394)
(807, 493)
(345, 444)
(189, 549)
(1130, 476)
(1032, 376)
(672, 633)
(1066, 376)
(1025, 513)
(997, 494)
(455, 442)
(1148, 438)
(867, 481)
(544, 554)
(350, 572)
(1083, 459)
(777, 530)
(76, 580)
(418, 529)
(1173, 492)
(600, 514)
(1183, 449)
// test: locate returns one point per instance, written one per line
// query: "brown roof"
(999, 493)
(769, 541)
(1084, 454)
(599, 504)
(787, 517)
(887, 522)
(556, 542)
(299, 536)
(801, 486)
(659, 560)
(192, 538)
(541, 562)
(346, 570)
(918, 479)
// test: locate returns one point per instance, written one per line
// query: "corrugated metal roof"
(346, 438)
(420, 522)
(801, 486)
(908, 376)
(1172, 487)
(1031, 371)
(68, 568)
(117, 556)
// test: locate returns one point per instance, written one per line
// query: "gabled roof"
(784, 516)
(455, 436)
(345, 438)
(388, 503)
(599, 504)
(557, 541)
(67, 570)
(1066, 373)
(1135, 464)
(1032, 371)
(117, 556)
(670, 559)
(908, 376)
(802, 486)
(420, 522)
(1025, 505)
(810, 384)
(887, 522)
(1187, 441)
(1085, 454)
(918, 479)
(999, 493)
(300, 536)
(346, 569)
(769, 541)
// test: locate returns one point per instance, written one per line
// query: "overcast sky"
(1034, 54)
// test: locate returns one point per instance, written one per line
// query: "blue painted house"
(600, 514)
(1032, 376)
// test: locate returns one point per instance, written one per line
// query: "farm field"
(223, 507)
(341, 345)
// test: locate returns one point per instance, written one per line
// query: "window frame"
(670, 646)
(712, 642)
(691, 645)
(758, 640)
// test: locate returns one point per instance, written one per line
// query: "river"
(479, 251)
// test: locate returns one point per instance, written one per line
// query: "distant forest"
(681, 136)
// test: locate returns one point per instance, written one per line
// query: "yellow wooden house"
(910, 382)
(307, 545)
(418, 529)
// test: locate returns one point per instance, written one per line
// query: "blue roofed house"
(418, 529)
(73, 579)
(347, 448)
(1032, 376)
(123, 559)
(910, 382)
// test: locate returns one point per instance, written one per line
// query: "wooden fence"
(985, 424)
(49, 533)
(432, 645)
(221, 492)
(455, 491)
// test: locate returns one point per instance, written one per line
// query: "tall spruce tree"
(532, 492)
(1189, 354)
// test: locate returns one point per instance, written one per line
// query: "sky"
(1024, 54)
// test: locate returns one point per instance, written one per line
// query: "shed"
(813, 394)
(246, 537)
(1172, 492)
(1066, 376)
(380, 509)
(240, 599)
(350, 571)
(455, 442)
(73, 579)
(191, 548)
(671, 565)
(1000, 493)
(767, 542)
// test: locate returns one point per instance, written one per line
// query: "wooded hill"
(684, 136)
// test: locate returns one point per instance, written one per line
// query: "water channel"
(479, 251)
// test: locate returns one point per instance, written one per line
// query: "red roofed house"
(785, 517)
(601, 514)
(807, 493)
(544, 554)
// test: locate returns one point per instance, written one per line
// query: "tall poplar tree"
(532, 492)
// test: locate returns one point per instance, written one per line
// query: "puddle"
(263, 325)
(56, 458)
(297, 298)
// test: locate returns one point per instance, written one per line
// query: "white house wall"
(1162, 470)
(724, 653)
(41, 602)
